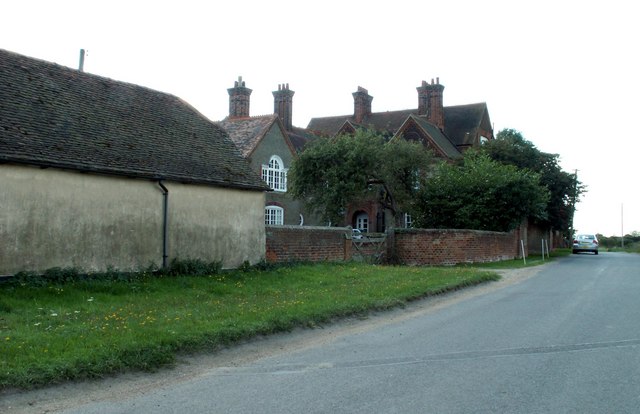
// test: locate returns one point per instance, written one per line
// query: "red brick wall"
(446, 247)
(307, 244)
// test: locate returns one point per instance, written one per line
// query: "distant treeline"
(616, 241)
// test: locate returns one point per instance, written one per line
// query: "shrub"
(192, 267)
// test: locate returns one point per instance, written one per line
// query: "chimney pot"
(239, 99)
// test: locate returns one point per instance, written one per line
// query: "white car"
(585, 243)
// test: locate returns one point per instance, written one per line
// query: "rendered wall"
(216, 224)
(274, 143)
(52, 218)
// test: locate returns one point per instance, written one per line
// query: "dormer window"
(274, 174)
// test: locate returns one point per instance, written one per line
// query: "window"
(274, 174)
(274, 215)
(362, 222)
(408, 221)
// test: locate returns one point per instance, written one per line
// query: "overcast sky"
(563, 73)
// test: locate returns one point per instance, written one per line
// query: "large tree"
(480, 194)
(333, 173)
(511, 148)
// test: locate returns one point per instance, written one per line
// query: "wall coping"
(307, 228)
(413, 230)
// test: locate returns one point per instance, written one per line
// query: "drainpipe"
(165, 220)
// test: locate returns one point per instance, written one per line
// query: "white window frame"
(408, 221)
(362, 222)
(273, 216)
(274, 174)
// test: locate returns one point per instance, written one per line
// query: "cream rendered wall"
(216, 224)
(51, 218)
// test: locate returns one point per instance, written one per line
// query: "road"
(563, 339)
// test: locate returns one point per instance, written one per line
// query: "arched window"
(274, 215)
(274, 174)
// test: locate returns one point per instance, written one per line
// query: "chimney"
(430, 103)
(239, 97)
(361, 104)
(283, 105)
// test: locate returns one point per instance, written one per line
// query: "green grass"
(89, 329)
(532, 260)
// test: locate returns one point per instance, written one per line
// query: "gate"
(369, 247)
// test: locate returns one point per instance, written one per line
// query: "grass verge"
(88, 329)
(532, 260)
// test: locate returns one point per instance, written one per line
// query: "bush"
(62, 275)
(192, 267)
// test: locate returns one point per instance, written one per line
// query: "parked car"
(585, 243)
(356, 234)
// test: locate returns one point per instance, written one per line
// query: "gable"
(387, 123)
(53, 116)
(257, 134)
(418, 129)
(274, 142)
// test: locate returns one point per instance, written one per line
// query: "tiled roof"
(385, 122)
(439, 139)
(55, 116)
(300, 137)
(246, 133)
(461, 122)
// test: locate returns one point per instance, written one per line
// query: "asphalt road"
(565, 340)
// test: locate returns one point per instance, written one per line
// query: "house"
(270, 143)
(96, 173)
(447, 130)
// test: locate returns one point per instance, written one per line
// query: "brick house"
(447, 130)
(270, 144)
(98, 173)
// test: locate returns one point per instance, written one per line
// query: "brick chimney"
(283, 105)
(430, 103)
(239, 97)
(361, 104)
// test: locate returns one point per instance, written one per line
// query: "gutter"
(165, 222)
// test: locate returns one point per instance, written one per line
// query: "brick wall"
(447, 247)
(306, 243)
(404, 246)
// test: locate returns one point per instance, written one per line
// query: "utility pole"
(622, 224)
(81, 64)
(573, 203)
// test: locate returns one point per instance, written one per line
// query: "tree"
(335, 172)
(479, 194)
(511, 148)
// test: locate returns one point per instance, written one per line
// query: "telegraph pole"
(622, 224)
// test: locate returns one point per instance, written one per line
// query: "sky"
(564, 73)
